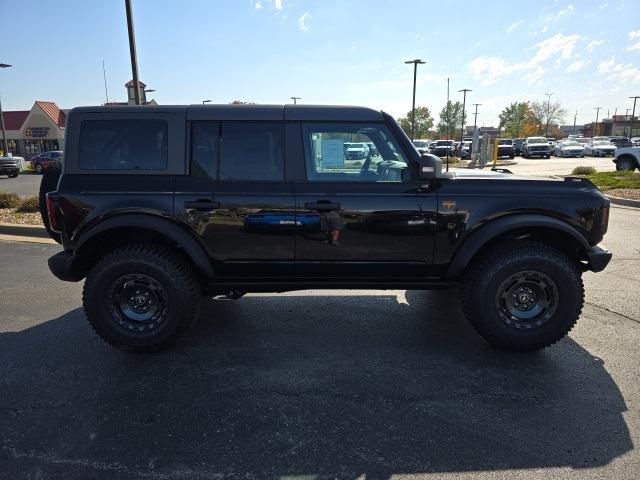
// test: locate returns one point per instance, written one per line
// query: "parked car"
(517, 145)
(372, 149)
(149, 259)
(10, 166)
(570, 149)
(600, 148)
(442, 147)
(505, 148)
(45, 159)
(422, 146)
(583, 140)
(627, 159)
(601, 139)
(465, 150)
(621, 142)
(356, 151)
(635, 141)
(536, 147)
(552, 142)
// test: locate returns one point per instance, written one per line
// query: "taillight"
(604, 222)
(51, 212)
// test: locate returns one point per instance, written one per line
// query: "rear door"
(364, 217)
(236, 198)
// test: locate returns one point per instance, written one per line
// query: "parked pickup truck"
(536, 147)
(158, 206)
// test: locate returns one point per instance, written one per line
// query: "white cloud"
(577, 66)
(302, 21)
(634, 46)
(593, 44)
(278, 4)
(514, 25)
(621, 72)
(489, 69)
(259, 5)
(634, 34)
(554, 17)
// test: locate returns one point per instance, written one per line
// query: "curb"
(627, 202)
(37, 231)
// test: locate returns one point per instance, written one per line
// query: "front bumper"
(598, 258)
(11, 169)
(67, 267)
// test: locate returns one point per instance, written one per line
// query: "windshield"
(420, 143)
(537, 140)
(506, 142)
(444, 143)
(602, 143)
(571, 144)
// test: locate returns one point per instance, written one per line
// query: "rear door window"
(252, 151)
(123, 145)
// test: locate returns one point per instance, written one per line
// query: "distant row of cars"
(532, 147)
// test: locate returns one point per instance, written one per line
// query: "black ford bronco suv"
(158, 206)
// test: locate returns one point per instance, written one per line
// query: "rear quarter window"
(123, 145)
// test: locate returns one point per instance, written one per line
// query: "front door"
(360, 212)
(236, 199)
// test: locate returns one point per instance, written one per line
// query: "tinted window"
(251, 151)
(204, 150)
(353, 153)
(123, 145)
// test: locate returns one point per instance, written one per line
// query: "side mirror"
(429, 167)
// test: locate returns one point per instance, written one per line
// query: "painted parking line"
(22, 238)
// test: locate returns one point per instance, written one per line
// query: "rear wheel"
(625, 164)
(142, 298)
(13, 175)
(522, 296)
(38, 168)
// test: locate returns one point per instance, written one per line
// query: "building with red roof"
(30, 132)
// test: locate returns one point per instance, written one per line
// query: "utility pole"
(295, 100)
(415, 62)
(575, 117)
(464, 104)
(5, 147)
(626, 120)
(448, 122)
(546, 127)
(633, 113)
(475, 116)
(595, 128)
(132, 51)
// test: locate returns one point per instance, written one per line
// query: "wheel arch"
(549, 230)
(126, 229)
(631, 157)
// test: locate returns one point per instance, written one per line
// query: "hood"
(476, 173)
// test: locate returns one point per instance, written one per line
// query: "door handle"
(322, 206)
(202, 204)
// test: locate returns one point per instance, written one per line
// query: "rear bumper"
(4, 169)
(598, 258)
(67, 267)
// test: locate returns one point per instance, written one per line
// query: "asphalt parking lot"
(24, 185)
(319, 384)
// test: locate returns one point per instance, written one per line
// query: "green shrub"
(29, 204)
(610, 180)
(9, 200)
(583, 171)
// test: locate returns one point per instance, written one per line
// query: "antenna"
(104, 75)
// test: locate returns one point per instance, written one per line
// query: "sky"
(587, 53)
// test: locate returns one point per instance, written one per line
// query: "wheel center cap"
(524, 298)
(139, 300)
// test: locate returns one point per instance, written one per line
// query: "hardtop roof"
(250, 112)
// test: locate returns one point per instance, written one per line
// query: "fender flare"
(480, 237)
(160, 225)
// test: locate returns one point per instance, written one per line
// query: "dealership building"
(30, 132)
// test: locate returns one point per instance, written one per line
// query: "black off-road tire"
(625, 164)
(484, 307)
(172, 281)
(48, 184)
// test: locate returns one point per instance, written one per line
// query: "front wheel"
(522, 296)
(13, 175)
(142, 298)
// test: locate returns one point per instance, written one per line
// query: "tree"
(423, 125)
(450, 119)
(514, 118)
(544, 113)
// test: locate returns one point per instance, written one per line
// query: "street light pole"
(464, 104)
(626, 120)
(295, 100)
(546, 126)
(132, 51)
(4, 132)
(575, 117)
(595, 128)
(632, 115)
(475, 116)
(415, 62)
